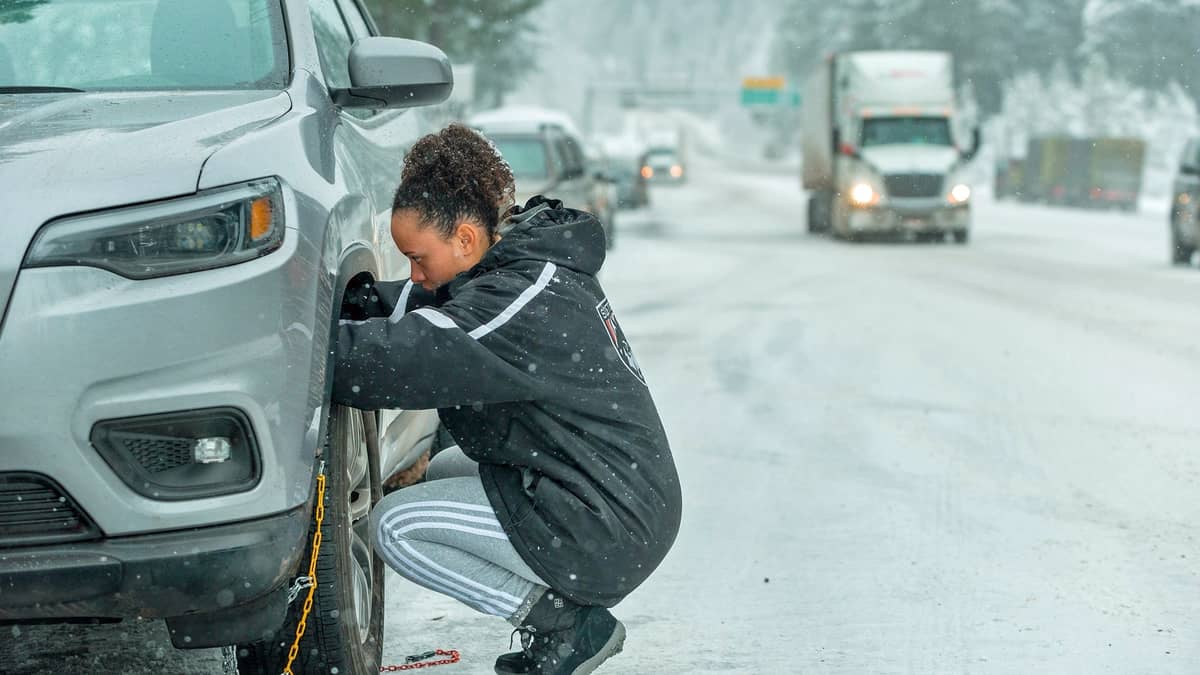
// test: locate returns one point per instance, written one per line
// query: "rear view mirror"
(388, 72)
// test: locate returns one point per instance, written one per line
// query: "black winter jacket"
(532, 375)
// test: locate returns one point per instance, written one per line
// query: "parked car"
(604, 190)
(663, 165)
(624, 166)
(1185, 211)
(189, 192)
(545, 151)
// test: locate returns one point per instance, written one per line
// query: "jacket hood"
(544, 230)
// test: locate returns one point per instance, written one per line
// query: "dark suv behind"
(1185, 207)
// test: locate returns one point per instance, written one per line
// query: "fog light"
(181, 455)
(212, 450)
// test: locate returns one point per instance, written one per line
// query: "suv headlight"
(214, 228)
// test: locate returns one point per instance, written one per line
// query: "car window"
(525, 156)
(333, 42)
(568, 157)
(354, 18)
(143, 44)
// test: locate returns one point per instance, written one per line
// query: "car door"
(369, 147)
(572, 184)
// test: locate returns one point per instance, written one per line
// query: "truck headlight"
(214, 228)
(960, 193)
(862, 194)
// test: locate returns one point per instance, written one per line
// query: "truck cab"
(882, 148)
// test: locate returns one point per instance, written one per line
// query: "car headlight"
(212, 229)
(960, 193)
(862, 194)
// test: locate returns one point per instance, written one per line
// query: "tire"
(819, 213)
(1181, 253)
(962, 236)
(345, 626)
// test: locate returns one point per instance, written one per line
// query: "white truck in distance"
(881, 149)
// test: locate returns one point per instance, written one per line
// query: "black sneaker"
(593, 637)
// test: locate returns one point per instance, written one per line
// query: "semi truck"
(1094, 172)
(881, 146)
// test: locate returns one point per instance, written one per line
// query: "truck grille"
(34, 510)
(913, 184)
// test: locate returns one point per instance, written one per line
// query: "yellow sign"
(762, 83)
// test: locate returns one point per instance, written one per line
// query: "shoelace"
(526, 639)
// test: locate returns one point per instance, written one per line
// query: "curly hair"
(454, 175)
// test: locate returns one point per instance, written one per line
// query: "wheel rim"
(358, 522)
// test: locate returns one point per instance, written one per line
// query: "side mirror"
(976, 141)
(388, 72)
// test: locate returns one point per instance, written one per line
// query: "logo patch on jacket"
(621, 349)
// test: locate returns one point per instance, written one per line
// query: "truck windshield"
(525, 156)
(48, 45)
(906, 131)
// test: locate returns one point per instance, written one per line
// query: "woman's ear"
(466, 239)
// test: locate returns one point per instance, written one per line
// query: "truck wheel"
(345, 625)
(962, 236)
(815, 226)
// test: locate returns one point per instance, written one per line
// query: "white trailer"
(881, 146)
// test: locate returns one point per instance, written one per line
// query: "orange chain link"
(312, 574)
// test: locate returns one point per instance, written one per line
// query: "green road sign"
(768, 91)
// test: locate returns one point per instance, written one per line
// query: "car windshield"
(142, 44)
(661, 157)
(525, 156)
(906, 131)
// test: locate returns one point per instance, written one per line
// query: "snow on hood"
(892, 159)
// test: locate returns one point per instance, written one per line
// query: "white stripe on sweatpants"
(417, 574)
(392, 518)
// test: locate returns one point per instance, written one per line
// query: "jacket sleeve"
(384, 298)
(423, 360)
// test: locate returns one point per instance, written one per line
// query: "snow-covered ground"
(896, 458)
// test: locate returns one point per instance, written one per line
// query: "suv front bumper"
(153, 576)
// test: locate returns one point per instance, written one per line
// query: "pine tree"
(496, 35)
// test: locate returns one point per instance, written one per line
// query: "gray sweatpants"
(443, 534)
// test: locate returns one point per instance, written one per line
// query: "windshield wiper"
(36, 90)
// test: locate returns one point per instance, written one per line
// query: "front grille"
(34, 510)
(913, 185)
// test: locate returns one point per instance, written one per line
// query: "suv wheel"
(345, 625)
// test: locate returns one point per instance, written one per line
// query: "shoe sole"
(616, 642)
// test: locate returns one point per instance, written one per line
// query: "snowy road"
(896, 458)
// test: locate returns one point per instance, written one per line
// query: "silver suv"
(189, 190)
